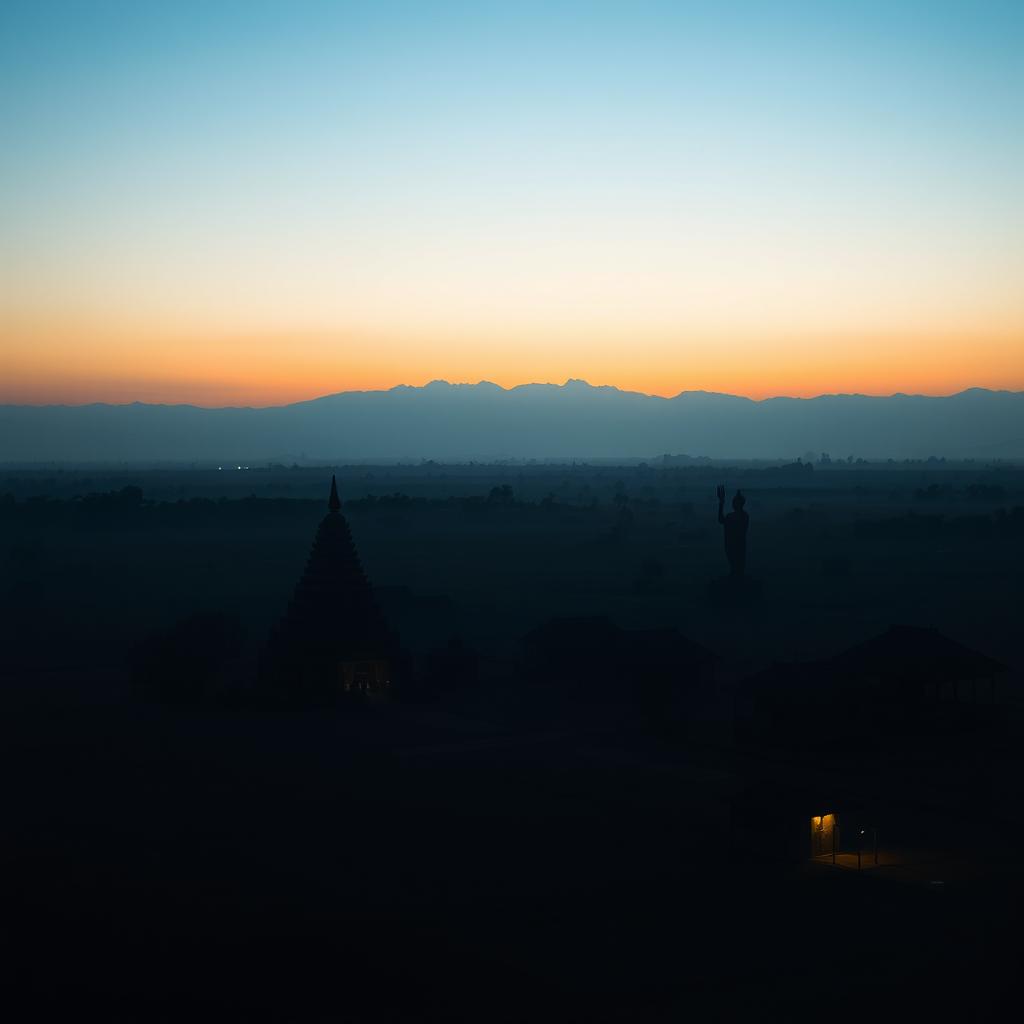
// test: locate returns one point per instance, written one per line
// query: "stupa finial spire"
(334, 502)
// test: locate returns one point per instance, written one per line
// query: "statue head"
(738, 501)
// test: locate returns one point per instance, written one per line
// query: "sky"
(255, 203)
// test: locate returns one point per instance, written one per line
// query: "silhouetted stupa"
(333, 638)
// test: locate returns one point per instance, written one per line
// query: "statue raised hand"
(736, 524)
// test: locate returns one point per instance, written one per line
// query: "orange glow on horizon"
(59, 364)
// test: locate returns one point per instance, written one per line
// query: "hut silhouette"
(591, 660)
(921, 662)
(908, 678)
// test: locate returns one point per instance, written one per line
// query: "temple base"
(735, 590)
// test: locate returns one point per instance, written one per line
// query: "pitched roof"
(595, 646)
(916, 653)
(902, 654)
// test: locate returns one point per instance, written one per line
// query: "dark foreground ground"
(496, 855)
(410, 866)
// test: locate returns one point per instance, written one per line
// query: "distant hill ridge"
(441, 420)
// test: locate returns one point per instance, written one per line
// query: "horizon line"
(569, 382)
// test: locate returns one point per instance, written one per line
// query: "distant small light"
(220, 467)
(238, 467)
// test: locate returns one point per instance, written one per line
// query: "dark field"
(840, 553)
(492, 851)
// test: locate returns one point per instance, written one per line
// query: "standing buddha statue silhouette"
(735, 526)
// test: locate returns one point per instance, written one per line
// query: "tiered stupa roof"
(333, 616)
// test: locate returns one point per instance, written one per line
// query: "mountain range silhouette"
(482, 421)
